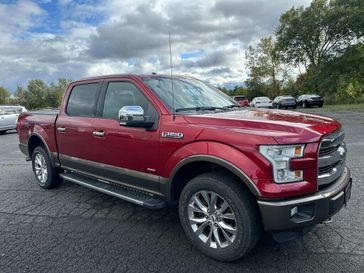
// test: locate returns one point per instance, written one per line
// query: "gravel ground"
(73, 229)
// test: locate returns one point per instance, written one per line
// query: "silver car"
(9, 116)
(261, 102)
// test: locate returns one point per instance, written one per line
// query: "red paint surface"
(233, 136)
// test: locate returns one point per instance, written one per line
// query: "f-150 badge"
(172, 135)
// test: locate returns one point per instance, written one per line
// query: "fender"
(53, 156)
(214, 152)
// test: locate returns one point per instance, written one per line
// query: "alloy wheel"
(212, 219)
(40, 168)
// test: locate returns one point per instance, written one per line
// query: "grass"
(335, 108)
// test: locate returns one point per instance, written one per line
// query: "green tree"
(37, 94)
(314, 34)
(267, 71)
(56, 92)
(4, 95)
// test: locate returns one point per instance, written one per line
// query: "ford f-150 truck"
(233, 171)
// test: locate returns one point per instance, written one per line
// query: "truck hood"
(285, 127)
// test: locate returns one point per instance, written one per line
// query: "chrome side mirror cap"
(133, 116)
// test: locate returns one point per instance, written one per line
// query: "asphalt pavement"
(74, 229)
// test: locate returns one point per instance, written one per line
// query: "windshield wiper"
(199, 108)
(232, 106)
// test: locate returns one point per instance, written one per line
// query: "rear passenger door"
(74, 126)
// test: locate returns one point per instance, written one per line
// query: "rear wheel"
(2, 132)
(47, 176)
(219, 216)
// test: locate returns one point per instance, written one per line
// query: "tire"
(278, 106)
(46, 175)
(2, 132)
(305, 105)
(241, 205)
(294, 107)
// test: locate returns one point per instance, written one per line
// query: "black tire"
(2, 132)
(52, 178)
(242, 205)
(278, 106)
(305, 104)
(294, 107)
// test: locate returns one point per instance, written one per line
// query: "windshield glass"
(188, 93)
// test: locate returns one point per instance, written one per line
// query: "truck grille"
(331, 160)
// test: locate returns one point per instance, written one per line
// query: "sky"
(48, 39)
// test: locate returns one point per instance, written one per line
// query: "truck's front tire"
(219, 216)
(46, 175)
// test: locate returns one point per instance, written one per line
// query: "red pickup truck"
(232, 171)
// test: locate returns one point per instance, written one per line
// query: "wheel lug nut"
(215, 224)
(209, 223)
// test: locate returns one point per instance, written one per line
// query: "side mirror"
(133, 116)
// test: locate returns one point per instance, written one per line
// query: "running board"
(125, 193)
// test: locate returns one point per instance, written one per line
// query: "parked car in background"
(242, 100)
(309, 100)
(9, 116)
(284, 102)
(261, 102)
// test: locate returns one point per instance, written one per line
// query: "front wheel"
(219, 216)
(47, 176)
(2, 132)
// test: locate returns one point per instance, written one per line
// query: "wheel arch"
(194, 165)
(36, 140)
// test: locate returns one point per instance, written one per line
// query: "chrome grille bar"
(332, 157)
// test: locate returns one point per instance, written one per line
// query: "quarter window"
(83, 100)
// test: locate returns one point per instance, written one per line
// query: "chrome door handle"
(98, 133)
(61, 129)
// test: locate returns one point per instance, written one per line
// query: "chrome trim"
(130, 178)
(331, 162)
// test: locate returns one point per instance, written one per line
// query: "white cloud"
(131, 36)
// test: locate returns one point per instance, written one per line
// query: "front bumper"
(308, 210)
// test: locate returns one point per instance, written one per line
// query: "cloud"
(48, 39)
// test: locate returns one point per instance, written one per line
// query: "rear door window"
(83, 100)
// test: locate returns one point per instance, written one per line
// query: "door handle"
(61, 129)
(98, 133)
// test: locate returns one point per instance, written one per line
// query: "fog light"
(294, 211)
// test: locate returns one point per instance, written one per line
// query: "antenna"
(170, 64)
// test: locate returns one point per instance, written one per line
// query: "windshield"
(188, 93)
(262, 99)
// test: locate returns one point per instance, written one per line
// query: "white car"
(9, 117)
(262, 102)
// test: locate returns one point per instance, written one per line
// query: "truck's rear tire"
(46, 175)
(219, 216)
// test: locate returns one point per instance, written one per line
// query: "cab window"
(83, 100)
(120, 94)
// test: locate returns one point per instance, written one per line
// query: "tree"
(314, 34)
(56, 92)
(37, 94)
(4, 95)
(267, 71)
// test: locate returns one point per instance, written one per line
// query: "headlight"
(280, 156)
